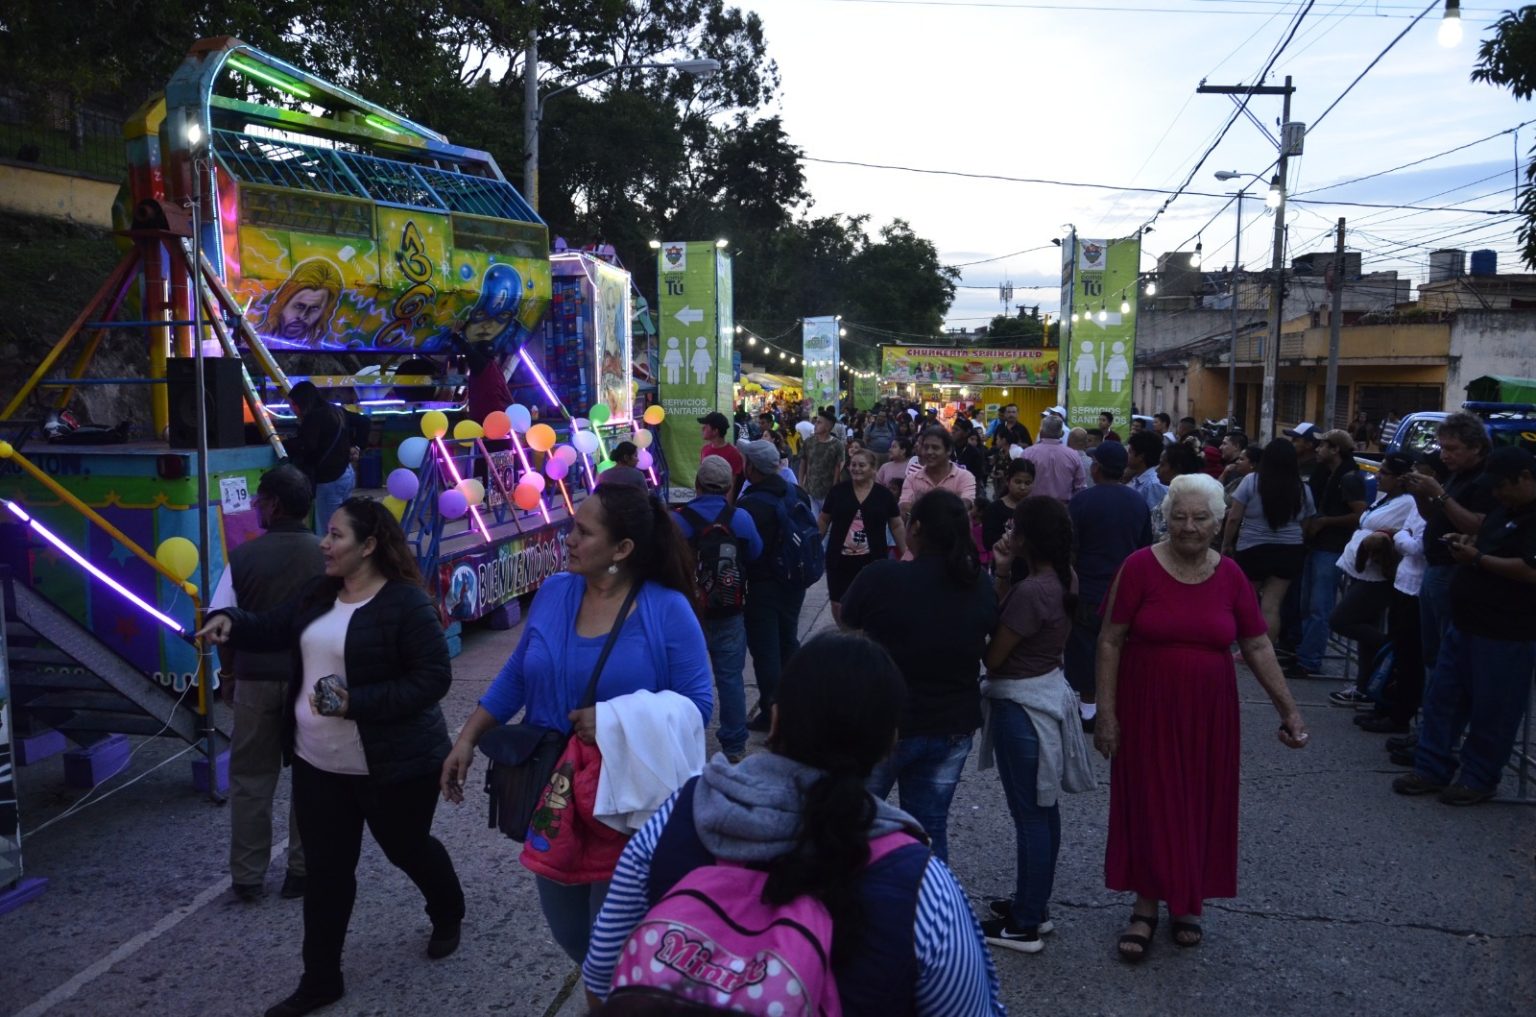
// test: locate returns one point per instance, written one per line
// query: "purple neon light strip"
(474, 510)
(538, 376)
(76, 557)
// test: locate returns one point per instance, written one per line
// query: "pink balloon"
(644, 459)
(556, 468)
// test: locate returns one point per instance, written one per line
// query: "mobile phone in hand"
(327, 702)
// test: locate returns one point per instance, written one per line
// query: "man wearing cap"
(716, 430)
(726, 633)
(1359, 614)
(1304, 439)
(822, 459)
(1481, 682)
(1110, 521)
(773, 606)
(1338, 491)
(1058, 469)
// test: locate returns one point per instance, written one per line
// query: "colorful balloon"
(413, 452)
(396, 507)
(434, 423)
(403, 484)
(452, 504)
(472, 490)
(585, 441)
(179, 556)
(556, 468)
(541, 437)
(566, 454)
(497, 425)
(654, 415)
(519, 417)
(534, 480)
(642, 439)
(645, 460)
(467, 430)
(600, 413)
(606, 464)
(526, 497)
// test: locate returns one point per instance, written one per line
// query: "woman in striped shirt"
(801, 813)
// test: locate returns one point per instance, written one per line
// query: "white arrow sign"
(1110, 318)
(689, 315)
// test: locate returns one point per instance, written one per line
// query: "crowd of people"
(1073, 586)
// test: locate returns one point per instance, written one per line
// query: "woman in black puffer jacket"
(372, 756)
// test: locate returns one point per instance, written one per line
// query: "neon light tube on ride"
(271, 77)
(570, 509)
(518, 444)
(453, 471)
(78, 559)
(538, 376)
(374, 120)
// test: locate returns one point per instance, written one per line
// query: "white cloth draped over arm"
(652, 743)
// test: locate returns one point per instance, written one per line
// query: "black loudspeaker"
(221, 393)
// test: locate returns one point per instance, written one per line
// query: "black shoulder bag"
(524, 755)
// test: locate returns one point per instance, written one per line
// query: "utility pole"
(531, 120)
(1291, 137)
(1237, 264)
(1336, 322)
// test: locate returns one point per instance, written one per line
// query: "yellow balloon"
(395, 505)
(179, 556)
(541, 437)
(642, 439)
(655, 415)
(468, 430)
(472, 490)
(434, 424)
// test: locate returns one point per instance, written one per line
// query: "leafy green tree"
(1508, 59)
(1010, 330)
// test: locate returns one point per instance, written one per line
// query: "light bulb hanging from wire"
(1194, 259)
(1103, 314)
(1449, 32)
(1151, 288)
(1125, 306)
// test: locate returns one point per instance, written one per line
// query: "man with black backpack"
(725, 540)
(793, 560)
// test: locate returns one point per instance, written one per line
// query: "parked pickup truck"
(1507, 424)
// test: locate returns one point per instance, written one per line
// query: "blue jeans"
(1481, 686)
(329, 496)
(571, 911)
(727, 638)
(773, 627)
(1036, 830)
(927, 769)
(1319, 590)
(1434, 616)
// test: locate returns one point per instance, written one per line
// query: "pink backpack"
(711, 939)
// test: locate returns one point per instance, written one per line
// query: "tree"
(1007, 330)
(1509, 59)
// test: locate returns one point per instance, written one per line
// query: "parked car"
(1507, 424)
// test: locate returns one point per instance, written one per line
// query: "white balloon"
(1015, 451)
(581, 423)
(642, 439)
(806, 428)
(585, 442)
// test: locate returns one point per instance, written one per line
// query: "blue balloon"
(520, 417)
(413, 452)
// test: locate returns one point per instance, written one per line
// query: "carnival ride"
(270, 215)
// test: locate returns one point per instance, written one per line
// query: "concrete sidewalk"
(1352, 900)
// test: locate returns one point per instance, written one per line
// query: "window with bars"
(1291, 401)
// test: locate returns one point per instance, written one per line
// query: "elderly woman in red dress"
(1168, 717)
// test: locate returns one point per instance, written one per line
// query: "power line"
(1249, 8)
(1418, 162)
(1324, 114)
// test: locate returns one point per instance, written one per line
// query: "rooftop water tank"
(1447, 264)
(1485, 262)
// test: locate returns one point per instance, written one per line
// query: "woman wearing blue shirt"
(619, 537)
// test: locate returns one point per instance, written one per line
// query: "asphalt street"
(1353, 900)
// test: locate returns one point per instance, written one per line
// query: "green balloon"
(606, 464)
(600, 413)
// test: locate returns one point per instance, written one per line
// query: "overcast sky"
(1103, 91)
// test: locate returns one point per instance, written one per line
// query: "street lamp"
(1449, 32)
(533, 104)
(1274, 197)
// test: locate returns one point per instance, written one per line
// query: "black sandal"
(1178, 928)
(1132, 939)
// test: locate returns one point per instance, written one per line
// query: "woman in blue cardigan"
(620, 536)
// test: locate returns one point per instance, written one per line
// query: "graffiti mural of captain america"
(494, 318)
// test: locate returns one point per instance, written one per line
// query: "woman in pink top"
(936, 472)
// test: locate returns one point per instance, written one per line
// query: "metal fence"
(52, 133)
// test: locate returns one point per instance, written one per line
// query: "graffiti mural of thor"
(300, 312)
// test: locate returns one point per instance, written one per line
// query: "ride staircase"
(64, 678)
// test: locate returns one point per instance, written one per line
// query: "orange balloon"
(541, 437)
(526, 497)
(497, 425)
(654, 415)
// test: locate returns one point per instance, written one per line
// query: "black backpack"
(722, 563)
